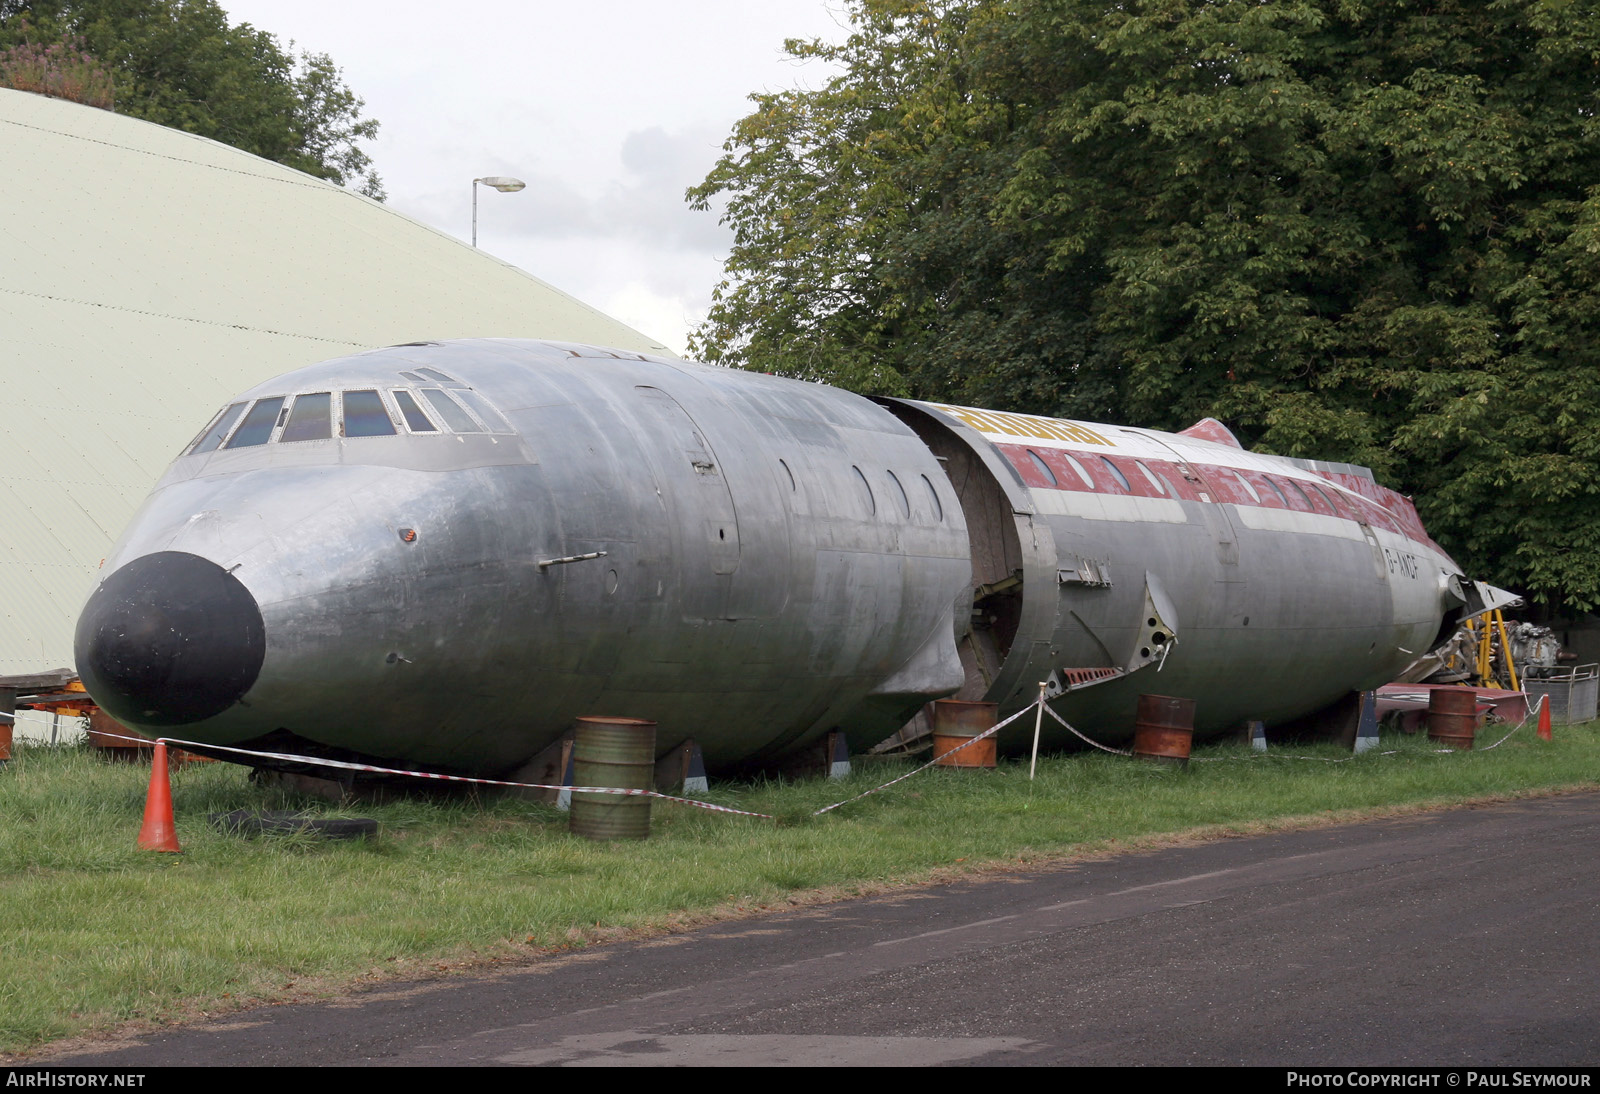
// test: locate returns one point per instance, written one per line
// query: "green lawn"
(97, 933)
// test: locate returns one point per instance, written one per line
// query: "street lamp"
(495, 182)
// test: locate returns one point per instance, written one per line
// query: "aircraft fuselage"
(442, 554)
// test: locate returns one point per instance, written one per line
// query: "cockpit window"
(437, 375)
(413, 377)
(311, 418)
(416, 420)
(454, 417)
(258, 424)
(365, 416)
(486, 413)
(219, 429)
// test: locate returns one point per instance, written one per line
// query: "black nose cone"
(169, 639)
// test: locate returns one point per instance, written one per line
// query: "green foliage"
(815, 201)
(180, 64)
(1353, 229)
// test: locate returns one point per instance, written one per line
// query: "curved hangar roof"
(145, 276)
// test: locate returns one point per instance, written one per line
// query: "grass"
(97, 934)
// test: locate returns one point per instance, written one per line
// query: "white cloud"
(609, 110)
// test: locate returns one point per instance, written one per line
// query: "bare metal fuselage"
(746, 560)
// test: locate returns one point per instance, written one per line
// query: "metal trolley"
(1572, 695)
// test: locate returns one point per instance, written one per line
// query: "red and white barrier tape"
(1395, 751)
(1081, 737)
(346, 765)
(1530, 716)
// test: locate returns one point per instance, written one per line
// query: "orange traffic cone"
(1544, 717)
(159, 833)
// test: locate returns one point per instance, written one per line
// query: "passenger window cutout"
(416, 420)
(905, 502)
(938, 506)
(1044, 468)
(1088, 481)
(311, 418)
(1161, 487)
(793, 486)
(454, 417)
(1296, 488)
(1116, 473)
(1326, 500)
(258, 424)
(1248, 489)
(1278, 490)
(872, 502)
(218, 428)
(366, 416)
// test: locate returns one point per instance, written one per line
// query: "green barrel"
(618, 752)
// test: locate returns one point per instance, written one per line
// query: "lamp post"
(495, 182)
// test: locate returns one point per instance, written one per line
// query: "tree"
(810, 167)
(865, 253)
(179, 63)
(1353, 229)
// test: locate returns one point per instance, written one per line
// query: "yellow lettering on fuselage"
(1023, 425)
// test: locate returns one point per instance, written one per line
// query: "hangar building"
(148, 274)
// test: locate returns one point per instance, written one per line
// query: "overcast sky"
(608, 109)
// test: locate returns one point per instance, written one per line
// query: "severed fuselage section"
(442, 554)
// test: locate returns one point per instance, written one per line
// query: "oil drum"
(1453, 717)
(613, 752)
(1163, 729)
(955, 722)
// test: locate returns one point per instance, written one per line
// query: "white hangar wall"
(148, 274)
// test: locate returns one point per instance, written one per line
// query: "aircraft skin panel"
(1290, 588)
(1085, 441)
(442, 554)
(720, 598)
(1090, 506)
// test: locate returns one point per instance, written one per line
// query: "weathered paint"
(749, 561)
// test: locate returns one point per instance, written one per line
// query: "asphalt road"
(1462, 938)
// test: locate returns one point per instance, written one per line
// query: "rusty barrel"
(1163, 729)
(1453, 717)
(616, 752)
(957, 721)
